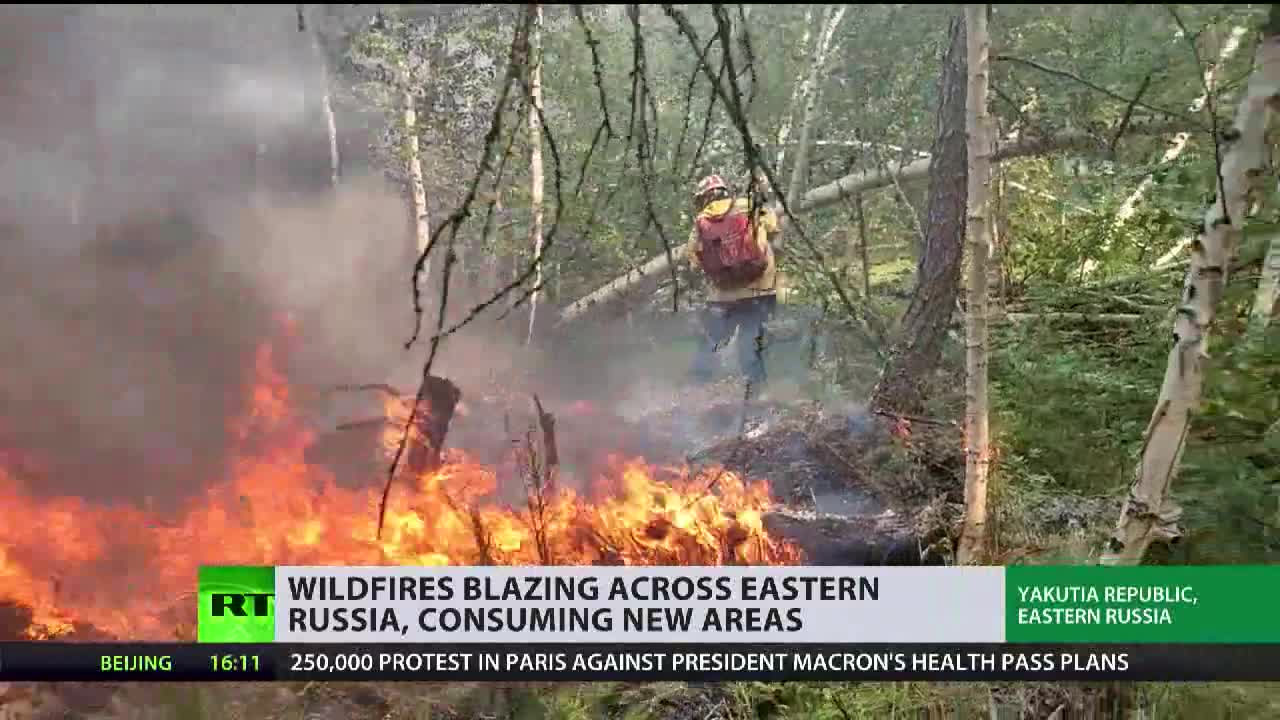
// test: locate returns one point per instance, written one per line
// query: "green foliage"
(1229, 482)
(1069, 408)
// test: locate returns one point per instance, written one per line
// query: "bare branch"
(518, 50)
(596, 69)
(1209, 108)
(1128, 114)
(744, 37)
(644, 154)
(688, 110)
(902, 194)
(497, 182)
(603, 132)
(1094, 86)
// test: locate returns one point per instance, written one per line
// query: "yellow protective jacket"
(766, 225)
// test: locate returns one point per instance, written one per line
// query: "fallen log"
(616, 287)
(1107, 318)
(851, 185)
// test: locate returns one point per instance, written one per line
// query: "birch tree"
(535, 159)
(978, 132)
(1148, 514)
(1264, 302)
(326, 101)
(797, 92)
(417, 188)
(811, 91)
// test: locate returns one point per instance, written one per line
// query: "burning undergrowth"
(81, 569)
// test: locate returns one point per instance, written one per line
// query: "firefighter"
(732, 250)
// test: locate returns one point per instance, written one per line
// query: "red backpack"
(728, 250)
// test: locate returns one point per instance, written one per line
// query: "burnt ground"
(852, 488)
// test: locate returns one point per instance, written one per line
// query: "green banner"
(1156, 604)
(237, 604)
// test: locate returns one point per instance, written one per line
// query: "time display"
(235, 663)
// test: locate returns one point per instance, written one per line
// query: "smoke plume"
(164, 203)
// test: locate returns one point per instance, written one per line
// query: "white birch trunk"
(417, 188)
(797, 94)
(1149, 515)
(1264, 303)
(1102, 318)
(977, 443)
(535, 162)
(812, 91)
(326, 105)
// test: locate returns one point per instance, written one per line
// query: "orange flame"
(125, 572)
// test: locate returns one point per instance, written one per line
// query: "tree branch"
(1095, 87)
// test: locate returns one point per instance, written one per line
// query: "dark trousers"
(747, 317)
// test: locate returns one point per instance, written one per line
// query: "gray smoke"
(163, 201)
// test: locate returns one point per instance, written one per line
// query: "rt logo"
(235, 604)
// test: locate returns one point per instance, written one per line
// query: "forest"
(260, 260)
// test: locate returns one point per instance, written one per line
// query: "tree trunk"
(1149, 515)
(418, 189)
(811, 91)
(431, 426)
(856, 183)
(977, 442)
(492, 262)
(326, 104)
(535, 160)
(797, 94)
(1264, 303)
(862, 245)
(938, 270)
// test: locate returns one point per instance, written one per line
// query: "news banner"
(1053, 623)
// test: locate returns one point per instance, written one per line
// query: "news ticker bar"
(692, 662)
